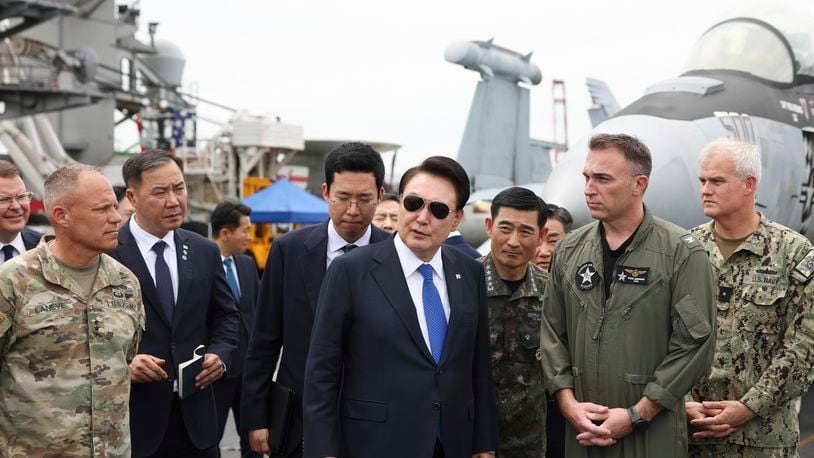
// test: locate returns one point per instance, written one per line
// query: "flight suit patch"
(806, 266)
(586, 276)
(689, 240)
(632, 275)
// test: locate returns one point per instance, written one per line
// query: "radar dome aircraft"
(751, 78)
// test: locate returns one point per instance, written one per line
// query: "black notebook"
(188, 370)
(280, 403)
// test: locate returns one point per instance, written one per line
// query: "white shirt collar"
(410, 262)
(336, 242)
(454, 233)
(145, 240)
(17, 243)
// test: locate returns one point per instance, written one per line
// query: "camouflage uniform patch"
(64, 374)
(514, 331)
(764, 337)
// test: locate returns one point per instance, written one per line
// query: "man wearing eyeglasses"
(354, 175)
(15, 238)
(399, 360)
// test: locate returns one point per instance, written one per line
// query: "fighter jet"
(749, 77)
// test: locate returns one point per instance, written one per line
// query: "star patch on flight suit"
(586, 276)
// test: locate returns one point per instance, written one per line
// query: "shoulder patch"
(806, 266)
(690, 240)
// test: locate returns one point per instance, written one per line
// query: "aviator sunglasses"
(438, 209)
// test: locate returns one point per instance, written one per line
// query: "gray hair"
(745, 156)
(62, 183)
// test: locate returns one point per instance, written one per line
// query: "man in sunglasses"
(515, 288)
(15, 238)
(629, 320)
(354, 175)
(399, 360)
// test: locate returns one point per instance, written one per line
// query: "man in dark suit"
(15, 238)
(187, 302)
(399, 364)
(456, 240)
(354, 174)
(230, 230)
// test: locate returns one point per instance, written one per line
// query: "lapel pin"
(457, 276)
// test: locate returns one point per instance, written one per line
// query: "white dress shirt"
(415, 282)
(233, 268)
(336, 242)
(18, 245)
(145, 242)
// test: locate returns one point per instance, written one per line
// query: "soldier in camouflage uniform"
(514, 287)
(70, 322)
(747, 406)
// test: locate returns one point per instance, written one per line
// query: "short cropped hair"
(745, 156)
(8, 170)
(442, 167)
(520, 199)
(62, 182)
(562, 215)
(636, 152)
(354, 157)
(136, 165)
(227, 216)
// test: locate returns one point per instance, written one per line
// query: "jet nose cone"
(673, 191)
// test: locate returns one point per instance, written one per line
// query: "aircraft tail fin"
(604, 102)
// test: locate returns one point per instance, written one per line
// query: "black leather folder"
(280, 403)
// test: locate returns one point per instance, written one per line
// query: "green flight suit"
(654, 336)
(514, 324)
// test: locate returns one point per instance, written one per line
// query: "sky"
(375, 70)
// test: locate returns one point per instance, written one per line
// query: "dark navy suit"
(372, 388)
(228, 390)
(284, 316)
(458, 242)
(31, 238)
(205, 314)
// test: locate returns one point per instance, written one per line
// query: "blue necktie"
(230, 278)
(8, 252)
(163, 280)
(433, 313)
(347, 248)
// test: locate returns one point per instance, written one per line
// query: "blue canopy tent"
(284, 202)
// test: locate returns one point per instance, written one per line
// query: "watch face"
(640, 425)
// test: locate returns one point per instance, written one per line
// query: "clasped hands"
(615, 423)
(717, 419)
(147, 368)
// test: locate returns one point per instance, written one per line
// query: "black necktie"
(8, 252)
(347, 248)
(163, 280)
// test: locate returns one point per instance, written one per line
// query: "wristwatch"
(639, 423)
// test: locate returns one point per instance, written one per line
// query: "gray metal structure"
(750, 78)
(496, 149)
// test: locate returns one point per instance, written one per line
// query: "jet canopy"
(776, 46)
